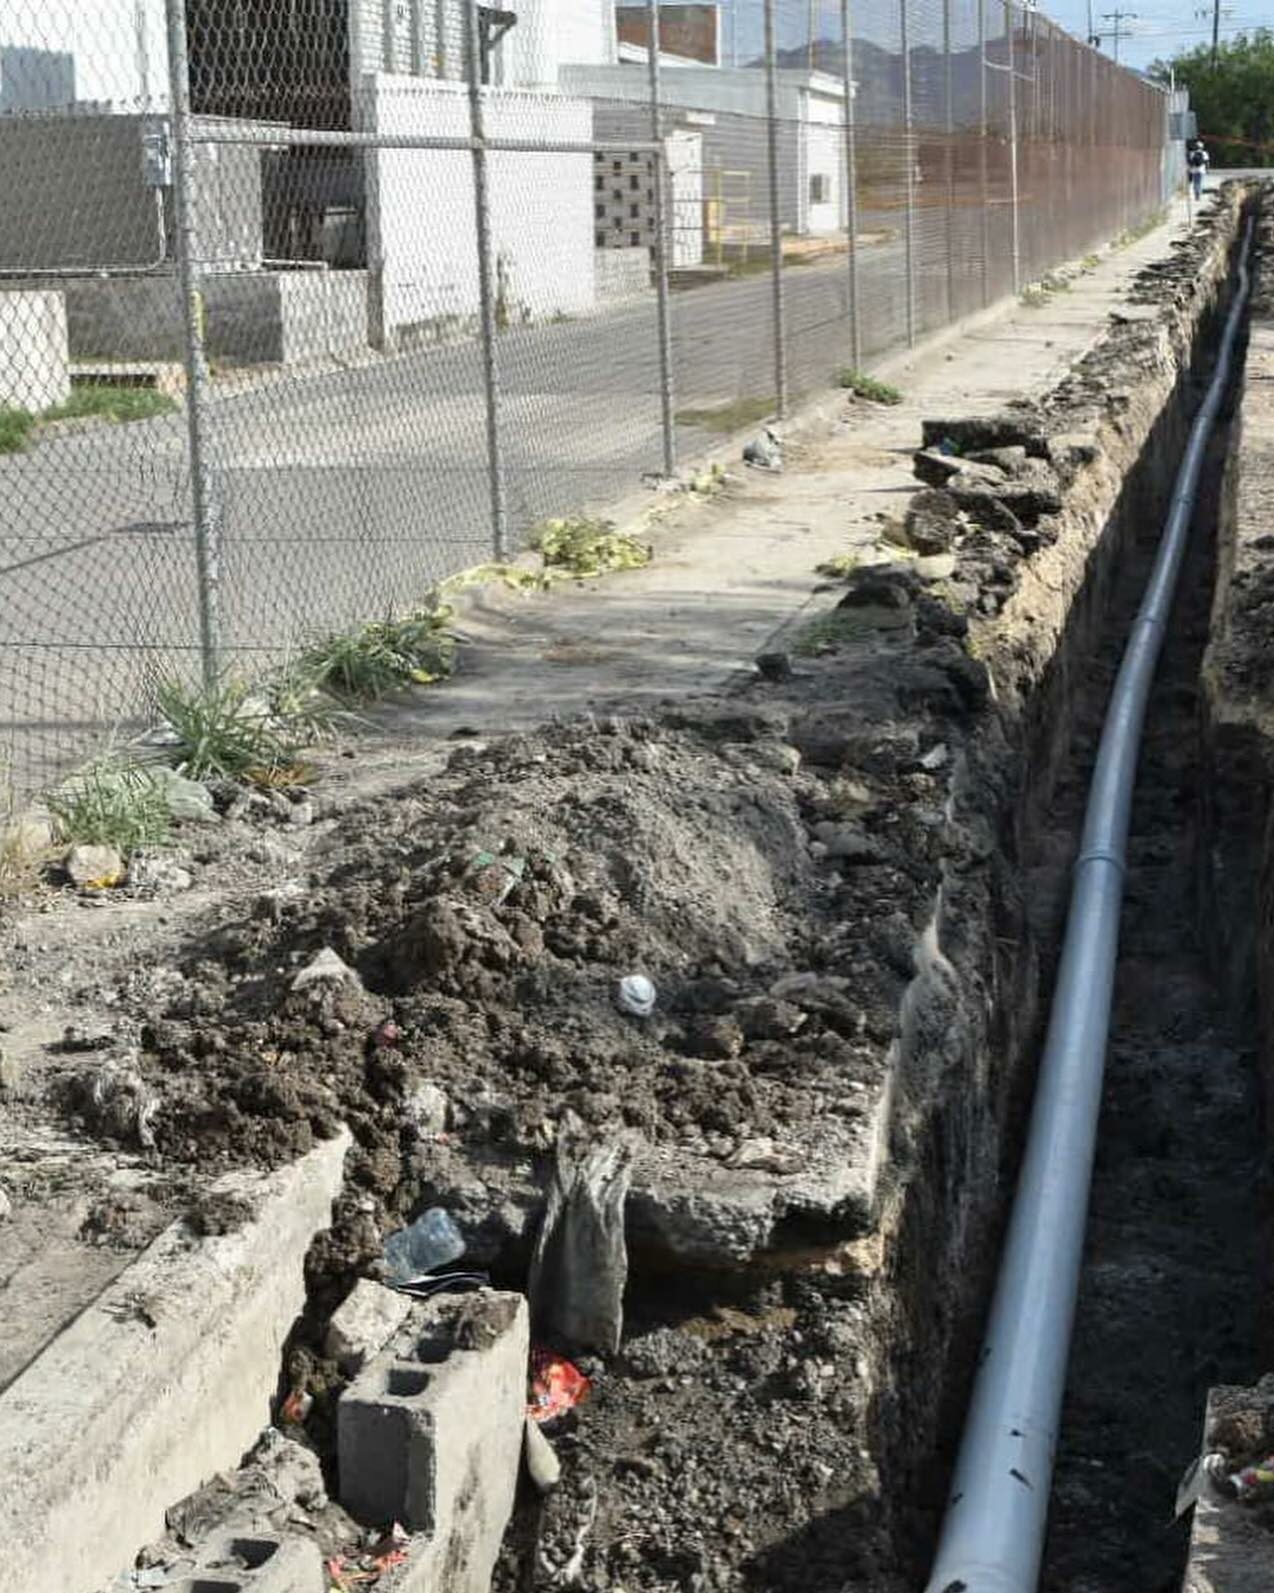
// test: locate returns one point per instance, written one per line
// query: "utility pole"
(1119, 18)
(1216, 31)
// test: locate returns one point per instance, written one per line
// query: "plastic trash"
(1255, 1481)
(442, 1283)
(636, 996)
(432, 1241)
(557, 1385)
(765, 451)
(542, 1465)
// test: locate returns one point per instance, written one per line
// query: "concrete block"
(430, 1435)
(249, 1560)
(165, 1381)
(35, 364)
(364, 1322)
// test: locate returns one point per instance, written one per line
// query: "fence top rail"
(206, 132)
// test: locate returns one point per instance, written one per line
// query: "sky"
(1161, 28)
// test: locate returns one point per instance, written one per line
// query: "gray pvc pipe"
(993, 1535)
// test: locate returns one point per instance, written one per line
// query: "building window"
(820, 189)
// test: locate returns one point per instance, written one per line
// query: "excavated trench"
(797, 1353)
(1170, 1295)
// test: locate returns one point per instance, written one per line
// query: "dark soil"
(1170, 1297)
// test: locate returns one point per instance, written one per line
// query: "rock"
(987, 509)
(6, 1206)
(848, 842)
(1073, 449)
(542, 1465)
(765, 1018)
(935, 468)
(326, 968)
(764, 1155)
(939, 618)
(721, 1038)
(426, 1110)
(936, 566)
(93, 865)
(148, 872)
(301, 813)
(293, 1471)
(1010, 460)
(774, 666)
(979, 433)
(932, 521)
(188, 800)
(363, 1323)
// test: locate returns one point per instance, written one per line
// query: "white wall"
(111, 53)
(552, 33)
(420, 222)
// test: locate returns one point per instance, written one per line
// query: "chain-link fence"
(305, 304)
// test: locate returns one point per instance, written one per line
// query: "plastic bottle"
(430, 1242)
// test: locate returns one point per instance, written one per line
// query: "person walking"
(1197, 163)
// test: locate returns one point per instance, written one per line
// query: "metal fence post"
(486, 285)
(984, 181)
(663, 223)
(949, 122)
(204, 501)
(776, 229)
(851, 182)
(910, 230)
(1017, 240)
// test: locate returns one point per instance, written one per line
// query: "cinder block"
(246, 1560)
(363, 1323)
(430, 1435)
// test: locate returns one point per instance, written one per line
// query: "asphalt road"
(344, 493)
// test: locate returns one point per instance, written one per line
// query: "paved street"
(345, 493)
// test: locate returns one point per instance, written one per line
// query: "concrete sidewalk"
(734, 572)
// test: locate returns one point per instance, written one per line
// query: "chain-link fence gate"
(305, 304)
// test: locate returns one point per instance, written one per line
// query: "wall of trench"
(1115, 430)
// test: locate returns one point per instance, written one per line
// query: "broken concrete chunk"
(93, 866)
(935, 468)
(363, 1323)
(972, 434)
(1009, 460)
(6, 1207)
(932, 521)
(326, 968)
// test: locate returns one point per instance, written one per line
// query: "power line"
(1120, 32)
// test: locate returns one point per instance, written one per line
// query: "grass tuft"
(112, 803)
(107, 401)
(16, 426)
(864, 386)
(387, 656)
(230, 732)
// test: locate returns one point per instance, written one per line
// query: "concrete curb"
(165, 1380)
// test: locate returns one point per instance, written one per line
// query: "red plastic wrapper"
(557, 1385)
